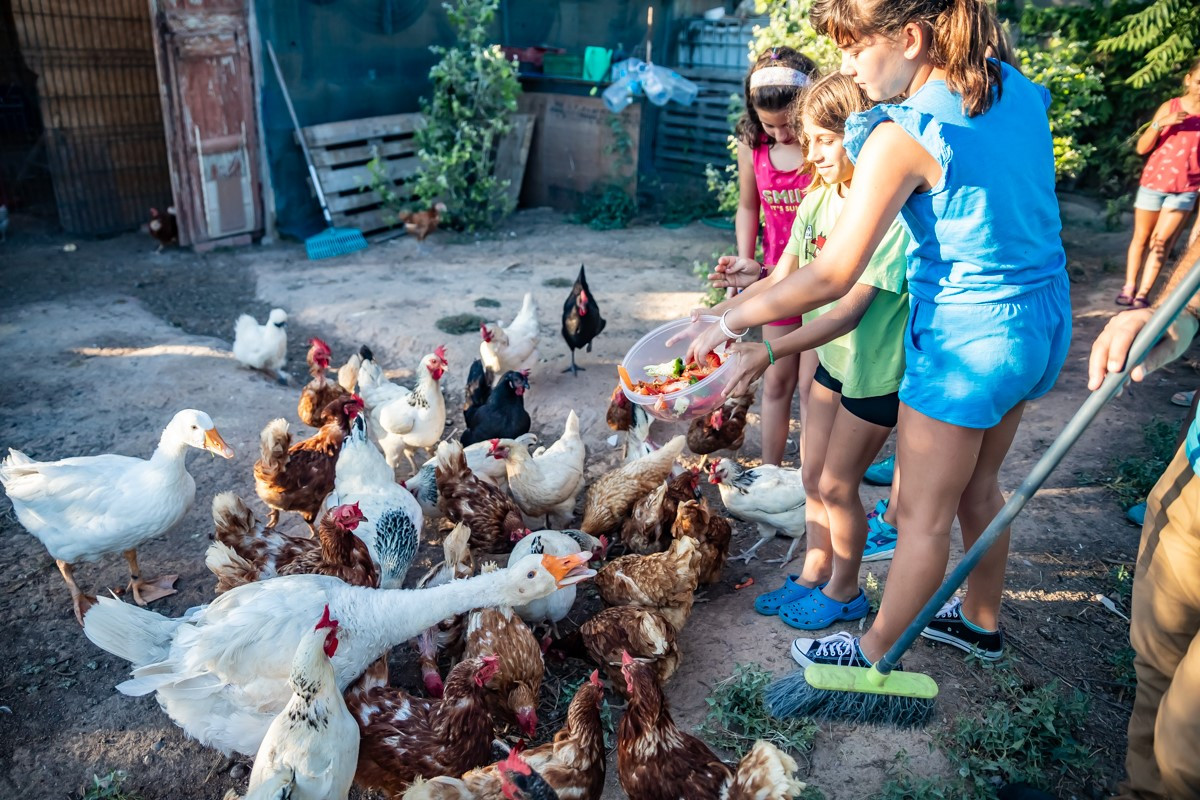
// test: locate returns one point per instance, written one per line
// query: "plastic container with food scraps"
(702, 397)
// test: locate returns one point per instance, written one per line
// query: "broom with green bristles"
(881, 695)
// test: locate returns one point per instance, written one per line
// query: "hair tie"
(774, 53)
(778, 76)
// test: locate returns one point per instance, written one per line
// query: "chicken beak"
(213, 443)
(569, 570)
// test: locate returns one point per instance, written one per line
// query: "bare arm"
(890, 168)
(746, 221)
(1163, 119)
(788, 264)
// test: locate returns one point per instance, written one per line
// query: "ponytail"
(966, 40)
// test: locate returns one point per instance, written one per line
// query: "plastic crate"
(562, 66)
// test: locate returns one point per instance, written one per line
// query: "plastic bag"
(659, 85)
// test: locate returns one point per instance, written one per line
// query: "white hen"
(548, 484)
(511, 347)
(771, 497)
(423, 484)
(404, 420)
(262, 346)
(84, 508)
(221, 671)
(392, 528)
(313, 743)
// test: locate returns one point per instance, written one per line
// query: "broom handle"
(312, 170)
(1163, 316)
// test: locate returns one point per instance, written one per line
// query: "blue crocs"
(817, 611)
(881, 540)
(1136, 514)
(769, 603)
(880, 473)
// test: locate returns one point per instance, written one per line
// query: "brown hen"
(406, 737)
(298, 477)
(573, 763)
(320, 391)
(620, 411)
(648, 528)
(723, 429)
(712, 533)
(447, 635)
(658, 761)
(665, 582)
(243, 551)
(611, 497)
(494, 519)
(642, 632)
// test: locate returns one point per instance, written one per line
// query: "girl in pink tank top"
(772, 178)
(1168, 189)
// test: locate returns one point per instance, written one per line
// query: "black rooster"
(503, 416)
(581, 320)
(479, 387)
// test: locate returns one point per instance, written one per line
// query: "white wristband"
(728, 333)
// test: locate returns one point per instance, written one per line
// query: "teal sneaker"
(880, 473)
(1137, 514)
(881, 540)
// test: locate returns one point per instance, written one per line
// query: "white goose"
(221, 671)
(84, 508)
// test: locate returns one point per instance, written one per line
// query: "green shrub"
(737, 716)
(1076, 92)
(108, 787)
(608, 209)
(475, 93)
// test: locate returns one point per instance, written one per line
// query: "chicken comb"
(440, 352)
(319, 344)
(525, 374)
(626, 659)
(354, 406)
(594, 679)
(326, 622)
(514, 763)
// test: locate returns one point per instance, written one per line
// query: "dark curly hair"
(771, 98)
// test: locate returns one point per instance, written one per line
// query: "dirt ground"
(110, 340)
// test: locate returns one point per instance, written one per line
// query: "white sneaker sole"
(945, 638)
(883, 555)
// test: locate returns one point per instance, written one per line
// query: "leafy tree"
(1164, 33)
(475, 91)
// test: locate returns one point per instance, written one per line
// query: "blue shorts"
(1151, 200)
(969, 365)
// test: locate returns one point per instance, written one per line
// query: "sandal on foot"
(1140, 302)
(1126, 296)
(769, 603)
(817, 611)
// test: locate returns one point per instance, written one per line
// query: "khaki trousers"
(1163, 760)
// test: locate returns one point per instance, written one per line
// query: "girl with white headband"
(772, 179)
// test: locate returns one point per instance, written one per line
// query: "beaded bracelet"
(770, 352)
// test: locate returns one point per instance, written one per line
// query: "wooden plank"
(513, 154)
(326, 157)
(359, 129)
(376, 219)
(354, 178)
(354, 201)
(683, 122)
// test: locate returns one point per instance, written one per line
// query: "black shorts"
(881, 411)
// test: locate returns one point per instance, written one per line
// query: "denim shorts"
(1150, 200)
(969, 365)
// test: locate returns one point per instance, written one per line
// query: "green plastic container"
(562, 66)
(596, 63)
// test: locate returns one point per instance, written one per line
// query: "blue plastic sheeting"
(349, 59)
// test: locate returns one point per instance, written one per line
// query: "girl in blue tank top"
(966, 160)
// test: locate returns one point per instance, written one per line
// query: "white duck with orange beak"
(86, 507)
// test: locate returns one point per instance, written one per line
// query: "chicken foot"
(783, 562)
(81, 601)
(748, 555)
(574, 369)
(147, 591)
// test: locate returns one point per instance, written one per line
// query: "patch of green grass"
(458, 324)
(559, 283)
(1121, 662)
(874, 590)
(737, 716)
(607, 209)
(108, 787)
(1122, 581)
(1024, 734)
(486, 302)
(1131, 478)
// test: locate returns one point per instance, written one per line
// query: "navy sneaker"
(840, 649)
(949, 627)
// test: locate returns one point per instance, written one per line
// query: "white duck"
(221, 671)
(771, 497)
(84, 508)
(313, 743)
(404, 420)
(262, 346)
(546, 485)
(554, 607)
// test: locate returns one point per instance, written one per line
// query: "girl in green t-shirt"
(859, 341)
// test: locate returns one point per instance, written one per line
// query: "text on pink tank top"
(779, 195)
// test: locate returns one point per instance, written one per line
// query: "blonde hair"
(828, 103)
(961, 32)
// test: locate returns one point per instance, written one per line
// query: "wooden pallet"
(341, 152)
(689, 137)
